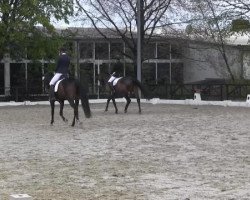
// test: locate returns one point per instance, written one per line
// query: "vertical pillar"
(7, 75)
(98, 81)
(109, 56)
(94, 63)
(156, 63)
(77, 66)
(124, 66)
(139, 39)
(26, 76)
(170, 64)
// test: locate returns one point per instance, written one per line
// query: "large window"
(129, 69)
(175, 51)
(163, 51)
(149, 51)
(116, 50)
(86, 50)
(35, 78)
(177, 73)
(102, 51)
(87, 76)
(102, 76)
(148, 73)
(128, 52)
(163, 73)
(17, 75)
(17, 79)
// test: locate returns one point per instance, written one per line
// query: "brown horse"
(124, 87)
(71, 90)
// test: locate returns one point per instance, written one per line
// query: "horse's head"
(47, 78)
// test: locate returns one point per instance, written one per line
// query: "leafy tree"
(19, 18)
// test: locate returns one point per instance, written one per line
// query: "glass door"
(87, 78)
(102, 71)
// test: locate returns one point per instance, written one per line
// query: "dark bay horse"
(71, 90)
(124, 87)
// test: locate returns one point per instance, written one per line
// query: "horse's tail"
(143, 90)
(85, 101)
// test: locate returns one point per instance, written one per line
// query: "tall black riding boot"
(52, 93)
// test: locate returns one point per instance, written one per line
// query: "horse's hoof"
(125, 111)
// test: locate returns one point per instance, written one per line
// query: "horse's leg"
(52, 105)
(72, 104)
(138, 100)
(113, 99)
(128, 102)
(61, 111)
(139, 104)
(76, 109)
(107, 105)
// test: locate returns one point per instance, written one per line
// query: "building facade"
(166, 61)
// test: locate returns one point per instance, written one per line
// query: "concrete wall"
(203, 61)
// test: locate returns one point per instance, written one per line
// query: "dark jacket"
(63, 64)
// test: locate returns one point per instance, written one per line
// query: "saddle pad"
(116, 80)
(57, 84)
(111, 79)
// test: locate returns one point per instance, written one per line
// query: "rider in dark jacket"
(62, 68)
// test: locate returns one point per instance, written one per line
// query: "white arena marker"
(197, 96)
(248, 98)
(27, 103)
(155, 100)
(20, 197)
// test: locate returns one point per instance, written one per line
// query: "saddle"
(116, 80)
(113, 80)
(62, 77)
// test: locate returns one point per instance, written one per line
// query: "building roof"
(92, 33)
(79, 32)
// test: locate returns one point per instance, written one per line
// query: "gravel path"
(167, 152)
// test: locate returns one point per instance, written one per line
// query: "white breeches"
(55, 78)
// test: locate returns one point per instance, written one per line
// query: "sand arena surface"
(167, 152)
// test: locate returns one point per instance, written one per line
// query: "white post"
(197, 96)
(7, 75)
(248, 98)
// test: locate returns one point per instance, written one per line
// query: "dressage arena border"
(225, 103)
